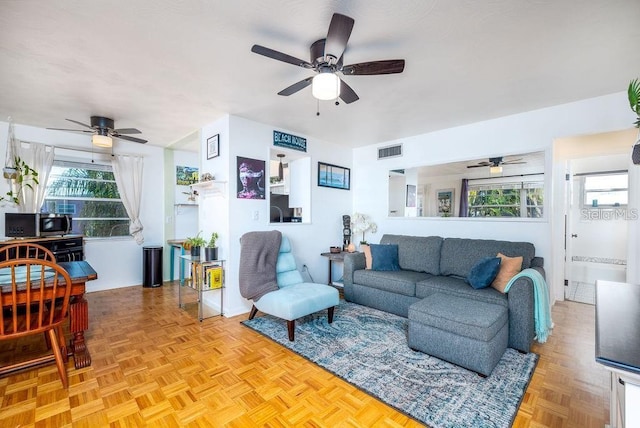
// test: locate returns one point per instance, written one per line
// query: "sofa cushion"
(509, 267)
(484, 272)
(401, 282)
(459, 287)
(417, 253)
(458, 256)
(384, 257)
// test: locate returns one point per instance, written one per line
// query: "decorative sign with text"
(289, 141)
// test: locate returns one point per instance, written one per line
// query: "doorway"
(596, 225)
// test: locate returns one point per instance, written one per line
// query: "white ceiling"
(170, 67)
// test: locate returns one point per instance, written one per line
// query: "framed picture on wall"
(186, 175)
(411, 196)
(445, 202)
(251, 179)
(213, 146)
(337, 177)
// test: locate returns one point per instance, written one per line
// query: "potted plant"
(21, 176)
(194, 244)
(634, 103)
(210, 250)
(360, 223)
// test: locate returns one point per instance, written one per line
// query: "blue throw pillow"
(484, 272)
(385, 257)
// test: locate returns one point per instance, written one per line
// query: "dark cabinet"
(65, 249)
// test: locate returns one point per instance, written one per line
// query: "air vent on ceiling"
(389, 152)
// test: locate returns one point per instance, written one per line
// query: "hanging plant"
(23, 177)
(634, 99)
(634, 103)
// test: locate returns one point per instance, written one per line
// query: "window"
(606, 190)
(515, 199)
(89, 193)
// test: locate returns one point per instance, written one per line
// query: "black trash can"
(152, 266)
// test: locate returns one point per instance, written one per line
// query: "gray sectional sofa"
(431, 265)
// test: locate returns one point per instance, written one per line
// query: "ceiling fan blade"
(513, 163)
(296, 87)
(338, 35)
(72, 130)
(480, 165)
(124, 137)
(270, 53)
(127, 131)
(80, 123)
(347, 94)
(390, 66)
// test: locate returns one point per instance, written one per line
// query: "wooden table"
(80, 272)
(618, 346)
(334, 257)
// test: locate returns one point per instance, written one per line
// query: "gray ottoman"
(466, 332)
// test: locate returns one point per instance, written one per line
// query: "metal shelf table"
(199, 282)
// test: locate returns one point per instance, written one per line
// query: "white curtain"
(128, 173)
(633, 243)
(40, 158)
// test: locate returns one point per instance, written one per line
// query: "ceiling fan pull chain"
(317, 107)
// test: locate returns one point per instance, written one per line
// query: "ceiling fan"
(103, 130)
(496, 162)
(327, 57)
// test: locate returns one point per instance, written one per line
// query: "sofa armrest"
(352, 263)
(521, 313)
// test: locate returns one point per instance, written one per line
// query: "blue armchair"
(294, 298)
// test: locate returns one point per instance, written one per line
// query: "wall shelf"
(210, 187)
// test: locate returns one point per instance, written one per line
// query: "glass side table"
(206, 276)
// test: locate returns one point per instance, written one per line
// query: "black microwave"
(34, 225)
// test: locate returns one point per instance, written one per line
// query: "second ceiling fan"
(327, 57)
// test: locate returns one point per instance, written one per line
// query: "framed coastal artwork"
(337, 177)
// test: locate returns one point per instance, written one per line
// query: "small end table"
(334, 257)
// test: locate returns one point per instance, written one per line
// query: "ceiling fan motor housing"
(100, 122)
(317, 54)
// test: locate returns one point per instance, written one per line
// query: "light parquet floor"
(156, 365)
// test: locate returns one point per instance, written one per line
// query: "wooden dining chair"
(21, 250)
(35, 296)
(30, 250)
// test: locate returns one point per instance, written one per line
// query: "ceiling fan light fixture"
(101, 140)
(495, 169)
(326, 86)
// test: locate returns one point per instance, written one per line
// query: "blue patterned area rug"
(368, 348)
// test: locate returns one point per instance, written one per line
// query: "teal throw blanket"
(542, 310)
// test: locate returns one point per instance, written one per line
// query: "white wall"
(232, 217)
(117, 261)
(521, 133)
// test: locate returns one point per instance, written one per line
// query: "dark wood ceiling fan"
(327, 56)
(497, 161)
(104, 126)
